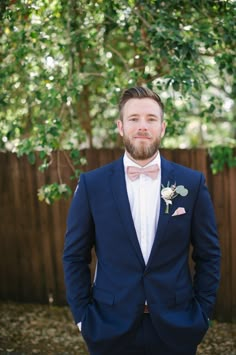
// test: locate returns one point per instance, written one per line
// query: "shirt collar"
(128, 162)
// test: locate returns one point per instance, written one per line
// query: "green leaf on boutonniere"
(181, 190)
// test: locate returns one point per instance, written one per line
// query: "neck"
(142, 162)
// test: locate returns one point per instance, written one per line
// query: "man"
(142, 213)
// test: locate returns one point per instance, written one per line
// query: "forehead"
(142, 106)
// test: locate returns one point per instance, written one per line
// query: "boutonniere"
(169, 192)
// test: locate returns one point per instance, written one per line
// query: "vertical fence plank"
(232, 256)
(47, 278)
(224, 299)
(32, 235)
(5, 190)
(14, 206)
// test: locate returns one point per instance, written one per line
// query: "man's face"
(142, 128)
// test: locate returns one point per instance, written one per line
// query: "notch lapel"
(121, 200)
(167, 175)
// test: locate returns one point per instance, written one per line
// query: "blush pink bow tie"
(134, 172)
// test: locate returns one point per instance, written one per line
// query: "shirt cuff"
(79, 325)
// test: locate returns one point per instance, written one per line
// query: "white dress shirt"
(144, 200)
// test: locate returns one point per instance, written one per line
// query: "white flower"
(167, 193)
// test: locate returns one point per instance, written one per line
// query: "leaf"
(211, 108)
(176, 85)
(31, 157)
(181, 190)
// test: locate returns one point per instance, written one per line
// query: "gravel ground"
(36, 329)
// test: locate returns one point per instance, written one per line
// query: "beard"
(141, 151)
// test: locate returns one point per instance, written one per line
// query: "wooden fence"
(32, 233)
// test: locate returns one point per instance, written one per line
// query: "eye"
(152, 119)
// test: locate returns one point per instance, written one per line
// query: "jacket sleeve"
(79, 240)
(206, 250)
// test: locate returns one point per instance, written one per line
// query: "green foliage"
(65, 63)
(222, 156)
(51, 193)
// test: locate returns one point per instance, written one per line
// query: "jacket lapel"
(121, 200)
(167, 175)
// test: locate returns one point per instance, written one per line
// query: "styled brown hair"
(139, 92)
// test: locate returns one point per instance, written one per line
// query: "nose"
(142, 125)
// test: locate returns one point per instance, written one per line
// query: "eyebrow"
(137, 115)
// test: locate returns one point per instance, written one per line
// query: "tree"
(64, 64)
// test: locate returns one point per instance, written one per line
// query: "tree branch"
(119, 55)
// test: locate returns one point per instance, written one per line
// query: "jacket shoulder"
(182, 169)
(183, 175)
(103, 170)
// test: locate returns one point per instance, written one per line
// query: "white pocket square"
(179, 211)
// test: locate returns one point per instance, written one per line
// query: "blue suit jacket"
(179, 305)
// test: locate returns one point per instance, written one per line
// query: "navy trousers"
(145, 341)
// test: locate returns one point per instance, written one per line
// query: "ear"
(120, 127)
(163, 129)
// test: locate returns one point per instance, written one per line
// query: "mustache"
(143, 135)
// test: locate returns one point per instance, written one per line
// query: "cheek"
(127, 131)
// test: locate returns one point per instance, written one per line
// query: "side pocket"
(183, 296)
(103, 296)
